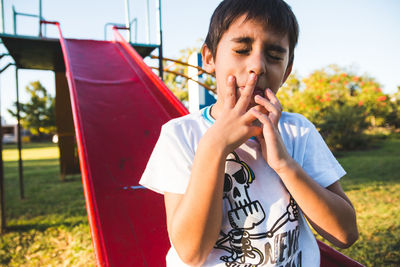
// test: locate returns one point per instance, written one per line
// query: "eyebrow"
(249, 40)
(245, 40)
(277, 48)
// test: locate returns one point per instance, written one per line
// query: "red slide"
(118, 106)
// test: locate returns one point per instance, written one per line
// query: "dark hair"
(274, 13)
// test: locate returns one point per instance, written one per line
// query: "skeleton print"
(244, 215)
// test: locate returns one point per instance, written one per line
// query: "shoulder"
(295, 123)
(184, 123)
(186, 130)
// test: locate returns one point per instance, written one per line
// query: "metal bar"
(2, 17)
(130, 26)
(134, 187)
(189, 78)
(111, 24)
(183, 63)
(26, 15)
(21, 178)
(3, 222)
(127, 20)
(15, 14)
(147, 22)
(160, 47)
(14, 20)
(8, 65)
(40, 18)
(158, 18)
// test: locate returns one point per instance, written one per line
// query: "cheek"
(275, 79)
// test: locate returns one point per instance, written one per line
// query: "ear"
(287, 73)
(208, 59)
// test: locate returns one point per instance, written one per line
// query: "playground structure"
(112, 105)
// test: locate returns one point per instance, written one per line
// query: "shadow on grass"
(39, 226)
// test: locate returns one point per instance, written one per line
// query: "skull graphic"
(244, 213)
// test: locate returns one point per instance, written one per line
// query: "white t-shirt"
(262, 224)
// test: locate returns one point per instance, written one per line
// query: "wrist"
(214, 143)
(288, 165)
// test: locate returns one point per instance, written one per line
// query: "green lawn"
(373, 185)
(49, 227)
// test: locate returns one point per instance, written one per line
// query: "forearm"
(197, 219)
(330, 212)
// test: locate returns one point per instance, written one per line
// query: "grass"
(373, 185)
(49, 227)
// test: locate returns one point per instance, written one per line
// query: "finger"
(262, 118)
(249, 117)
(247, 92)
(274, 100)
(230, 93)
(268, 105)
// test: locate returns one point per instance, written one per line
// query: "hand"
(272, 146)
(234, 124)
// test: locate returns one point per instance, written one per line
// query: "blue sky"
(361, 35)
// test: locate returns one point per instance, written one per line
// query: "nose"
(257, 63)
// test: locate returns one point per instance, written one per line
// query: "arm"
(194, 219)
(328, 209)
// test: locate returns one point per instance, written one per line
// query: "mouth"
(257, 91)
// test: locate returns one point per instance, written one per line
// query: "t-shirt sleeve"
(318, 160)
(170, 164)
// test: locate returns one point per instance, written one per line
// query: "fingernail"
(252, 76)
(253, 109)
(230, 78)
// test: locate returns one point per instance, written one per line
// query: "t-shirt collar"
(206, 114)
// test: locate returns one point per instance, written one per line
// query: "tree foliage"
(341, 104)
(38, 114)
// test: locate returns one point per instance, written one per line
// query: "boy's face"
(248, 46)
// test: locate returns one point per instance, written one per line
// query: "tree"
(38, 114)
(340, 103)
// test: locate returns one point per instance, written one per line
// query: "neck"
(216, 110)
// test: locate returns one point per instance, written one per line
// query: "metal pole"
(135, 22)
(127, 20)
(160, 42)
(21, 179)
(2, 197)
(2, 17)
(40, 18)
(14, 19)
(147, 22)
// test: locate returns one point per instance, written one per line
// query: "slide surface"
(118, 106)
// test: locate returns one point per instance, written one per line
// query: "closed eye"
(243, 51)
(275, 57)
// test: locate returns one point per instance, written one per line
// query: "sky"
(360, 35)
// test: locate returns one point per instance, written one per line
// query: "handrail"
(122, 26)
(15, 14)
(3, 55)
(6, 67)
(185, 64)
(164, 89)
(97, 236)
(189, 78)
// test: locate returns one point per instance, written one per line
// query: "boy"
(239, 177)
